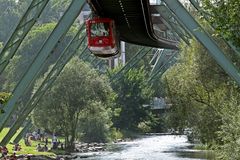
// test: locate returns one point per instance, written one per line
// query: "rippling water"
(157, 147)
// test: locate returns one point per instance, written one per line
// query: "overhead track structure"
(133, 21)
(59, 31)
(163, 55)
(165, 16)
(24, 26)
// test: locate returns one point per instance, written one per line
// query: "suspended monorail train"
(102, 38)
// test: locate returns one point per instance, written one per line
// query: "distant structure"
(160, 103)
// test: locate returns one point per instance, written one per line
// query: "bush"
(230, 132)
(95, 123)
(144, 126)
(116, 134)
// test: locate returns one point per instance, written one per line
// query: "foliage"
(95, 123)
(204, 99)
(8, 18)
(77, 89)
(133, 91)
(225, 16)
(145, 126)
(53, 11)
(28, 51)
(196, 93)
(230, 130)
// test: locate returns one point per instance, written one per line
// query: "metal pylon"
(67, 54)
(163, 67)
(131, 63)
(201, 35)
(25, 129)
(207, 17)
(24, 26)
(60, 30)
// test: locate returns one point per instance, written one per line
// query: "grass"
(25, 149)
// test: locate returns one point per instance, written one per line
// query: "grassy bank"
(26, 149)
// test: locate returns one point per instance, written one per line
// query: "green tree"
(95, 122)
(76, 89)
(229, 130)
(8, 18)
(196, 87)
(225, 16)
(28, 51)
(53, 11)
(133, 91)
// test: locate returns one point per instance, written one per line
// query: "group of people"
(43, 137)
(35, 136)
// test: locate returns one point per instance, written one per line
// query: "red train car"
(102, 38)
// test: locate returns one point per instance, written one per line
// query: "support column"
(23, 27)
(201, 35)
(123, 53)
(67, 54)
(62, 27)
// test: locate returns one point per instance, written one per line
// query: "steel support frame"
(67, 54)
(85, 56)
(160, 60)
(198, 32)
(23, 27)
(23, 132)
(59, 31)
(166, 64)
(207, 18)
(166, 67)
(131, 63)
(98, 63)
(155, 55)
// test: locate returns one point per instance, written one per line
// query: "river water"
(155, 147)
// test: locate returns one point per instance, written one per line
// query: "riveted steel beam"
(67, 54)
(23, 27)
(207, 17)
(165, 65)
(201, 35)
(131, 63)
(60, 30)
(23, 132)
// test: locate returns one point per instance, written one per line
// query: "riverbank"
(161, 145)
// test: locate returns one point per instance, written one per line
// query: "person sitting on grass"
(45, 148)
(39, 148)
(4, 151)
(17, 147)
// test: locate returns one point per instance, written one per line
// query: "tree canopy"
(78, 92)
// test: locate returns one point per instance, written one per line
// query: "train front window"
(100, 29)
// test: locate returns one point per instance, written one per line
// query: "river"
(154, 147)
